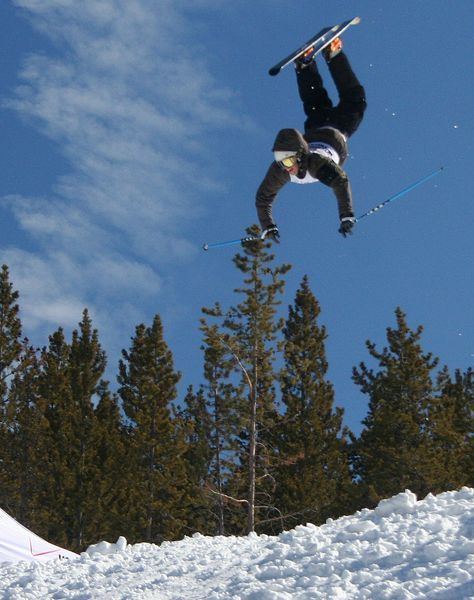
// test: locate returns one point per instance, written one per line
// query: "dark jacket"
(319, 167)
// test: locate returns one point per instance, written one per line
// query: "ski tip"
(205, 246)
(356, 21)
(274, 71)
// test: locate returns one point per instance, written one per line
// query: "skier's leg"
(316, 102)
(352, 103)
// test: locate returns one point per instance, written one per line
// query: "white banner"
(19, 543)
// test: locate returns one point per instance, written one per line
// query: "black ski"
(318, 42)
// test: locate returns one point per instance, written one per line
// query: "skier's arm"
(272, 183)
(333, 176)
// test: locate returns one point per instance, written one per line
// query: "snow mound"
(401, 504)
(107, 548)
(403, 549)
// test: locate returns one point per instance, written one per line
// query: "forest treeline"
(252, 447)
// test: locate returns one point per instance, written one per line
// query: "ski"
(318, 42)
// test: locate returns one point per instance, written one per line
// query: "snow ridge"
(403, 549)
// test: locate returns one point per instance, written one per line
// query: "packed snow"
(403, 549)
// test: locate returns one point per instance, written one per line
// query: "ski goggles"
(288, 161)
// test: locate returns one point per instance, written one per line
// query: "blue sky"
(135, 130)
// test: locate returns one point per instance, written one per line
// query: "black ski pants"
(318, 107)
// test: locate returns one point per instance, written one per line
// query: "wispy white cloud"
(128, 102)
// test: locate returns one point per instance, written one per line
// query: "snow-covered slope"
(402, 549)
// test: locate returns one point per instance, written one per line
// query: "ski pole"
(401, 193)
(409, 188)
(243, 240)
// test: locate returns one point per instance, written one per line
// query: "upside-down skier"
(319, 154)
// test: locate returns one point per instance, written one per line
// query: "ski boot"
(305, 59)
(332, 49)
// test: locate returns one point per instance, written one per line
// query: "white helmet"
(281, 155)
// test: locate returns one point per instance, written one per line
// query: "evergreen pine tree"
(59, 462)
(253, 327)
(26, 429)
(392, 453)
(68, 387)
(16, 359)
(224, 409)
(156, 443)
(451, 424)
(197, 427)
(87, 364)
(314, 479)
(113, 469)
(10, 335)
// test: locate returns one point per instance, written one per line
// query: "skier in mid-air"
(319, 154)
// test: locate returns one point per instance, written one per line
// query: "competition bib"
(317, 148)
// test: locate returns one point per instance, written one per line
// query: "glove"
(271, 233)
(347, 223)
